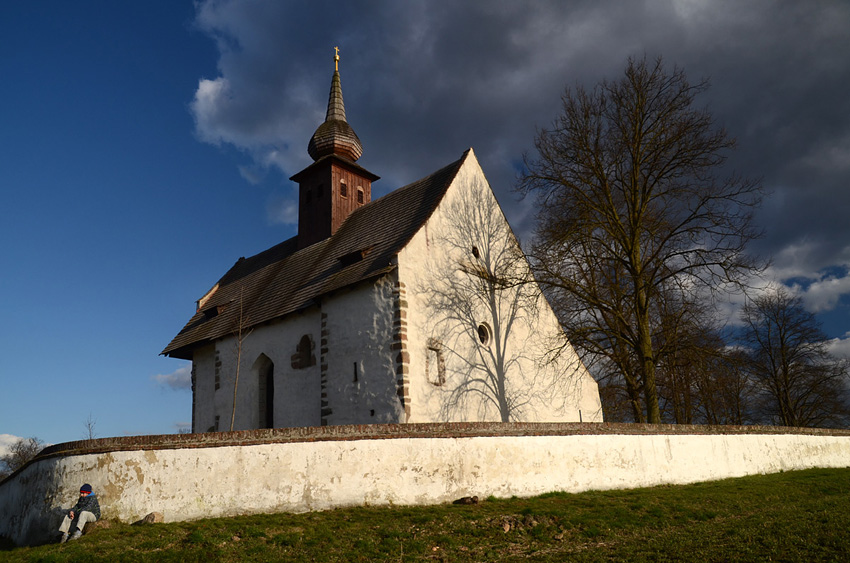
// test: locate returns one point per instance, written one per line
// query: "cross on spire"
(336, 59)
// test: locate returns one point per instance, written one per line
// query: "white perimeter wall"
(197, 481)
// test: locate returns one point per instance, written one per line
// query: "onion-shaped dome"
(335, 135)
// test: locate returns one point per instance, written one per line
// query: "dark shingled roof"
(283, 279)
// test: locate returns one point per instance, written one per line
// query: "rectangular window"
(435, 365)
(343, 189)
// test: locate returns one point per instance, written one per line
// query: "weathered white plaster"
(197, 482)
(359, 332)
(540, 385)
(296, 391)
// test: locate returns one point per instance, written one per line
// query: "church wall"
(297, 395)
(187, 477)
(537, 389)
(203, 364)
(360, 375)
(352, 348)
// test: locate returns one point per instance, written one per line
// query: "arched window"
(264, 368)
(304, 357)
(343, 189)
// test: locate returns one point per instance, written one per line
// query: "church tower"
(334, 185)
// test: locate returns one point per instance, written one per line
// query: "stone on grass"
(152, 518)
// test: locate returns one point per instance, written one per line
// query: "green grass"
(796, 516)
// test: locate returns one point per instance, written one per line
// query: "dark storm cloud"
(423, 81)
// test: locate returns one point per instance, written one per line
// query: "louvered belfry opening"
(334, 185)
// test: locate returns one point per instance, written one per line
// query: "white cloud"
(183, 427)
(178, 380)
(794, 261)
(281, 211)
(6, 442)
(840, 347)
(252, 174)
(207, 107)
(820, 286)
(823, 294)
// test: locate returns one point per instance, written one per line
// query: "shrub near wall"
(298, 469)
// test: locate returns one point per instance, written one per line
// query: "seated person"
(86, 510)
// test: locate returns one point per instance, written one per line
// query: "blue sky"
(146, 146)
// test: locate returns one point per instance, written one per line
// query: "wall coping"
(401, 431)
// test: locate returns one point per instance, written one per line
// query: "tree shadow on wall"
(486, 355)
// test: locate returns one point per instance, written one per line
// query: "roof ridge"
(401, 190)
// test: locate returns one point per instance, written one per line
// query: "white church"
(416, 307)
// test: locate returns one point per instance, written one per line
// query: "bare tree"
(241, 335)
(632, 209)
(19, 454)
(90, 424)
(484, 302)
(727, 394)
(701, 378)
(802, 384)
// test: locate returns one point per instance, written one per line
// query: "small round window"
(484, 334)
(475, 252)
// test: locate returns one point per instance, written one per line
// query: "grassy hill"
(796, 516)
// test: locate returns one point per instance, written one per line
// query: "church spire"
(334, 186)
(335, 135)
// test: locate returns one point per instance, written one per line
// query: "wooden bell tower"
(334, 185)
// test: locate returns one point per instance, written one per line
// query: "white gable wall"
(537, 386)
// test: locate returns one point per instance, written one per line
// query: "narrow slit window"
(217, 371)
(343, 189)
(435, 365)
